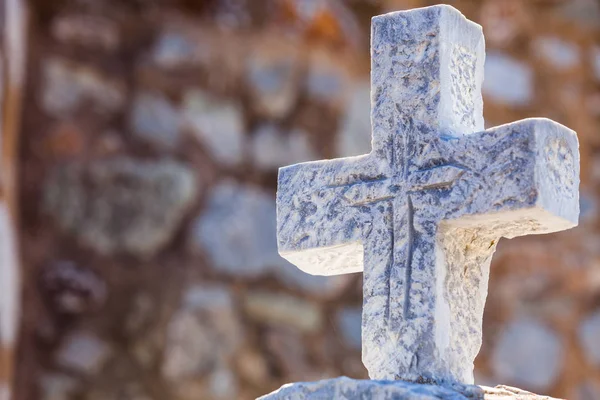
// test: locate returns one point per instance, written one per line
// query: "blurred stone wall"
(152, 133)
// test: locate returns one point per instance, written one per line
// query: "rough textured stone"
(354, 137)
(69, 86)
(561, 54)
(218, 125)
(237, 230)
(281, 309)
(347, 389)
(121, 205)
(589, 336)
(155, 120)
(204, 333)
(527, 353)
(507, 80)
(83, 352)
(349, 321)
(422, 213)
(272, 149)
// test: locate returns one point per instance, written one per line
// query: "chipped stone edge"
(341, 387)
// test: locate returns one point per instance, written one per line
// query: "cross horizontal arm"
(527, 171)
(318, 229)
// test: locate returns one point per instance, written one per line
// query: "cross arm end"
(318, 228)
(529, 177)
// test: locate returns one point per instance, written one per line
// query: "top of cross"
(422, 213)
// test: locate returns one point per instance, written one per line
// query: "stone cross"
(422, 213)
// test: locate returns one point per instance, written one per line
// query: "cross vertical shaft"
(426, 75)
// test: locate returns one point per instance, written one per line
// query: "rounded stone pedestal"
(344, 388)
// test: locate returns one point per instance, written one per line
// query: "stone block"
(121, 205)
(68, 86)
(217, 124)
(156, 120)
(349, 389)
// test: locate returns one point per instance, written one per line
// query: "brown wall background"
(151, 135)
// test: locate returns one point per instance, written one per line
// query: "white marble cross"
(422, 213)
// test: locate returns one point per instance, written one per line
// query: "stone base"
(344, 388)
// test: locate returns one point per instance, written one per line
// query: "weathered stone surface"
(589, 337)
(559, 53)
(121, 205)
(155, 120)
(527, 353)
(70, 86)
(218, 125)
(507, 80)
(83, 352)
(204, 333)
(282, 309)
(237, 230)
(348, 389)
(422, 213)
(354, 137)
(349, 321)
(271, 148)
